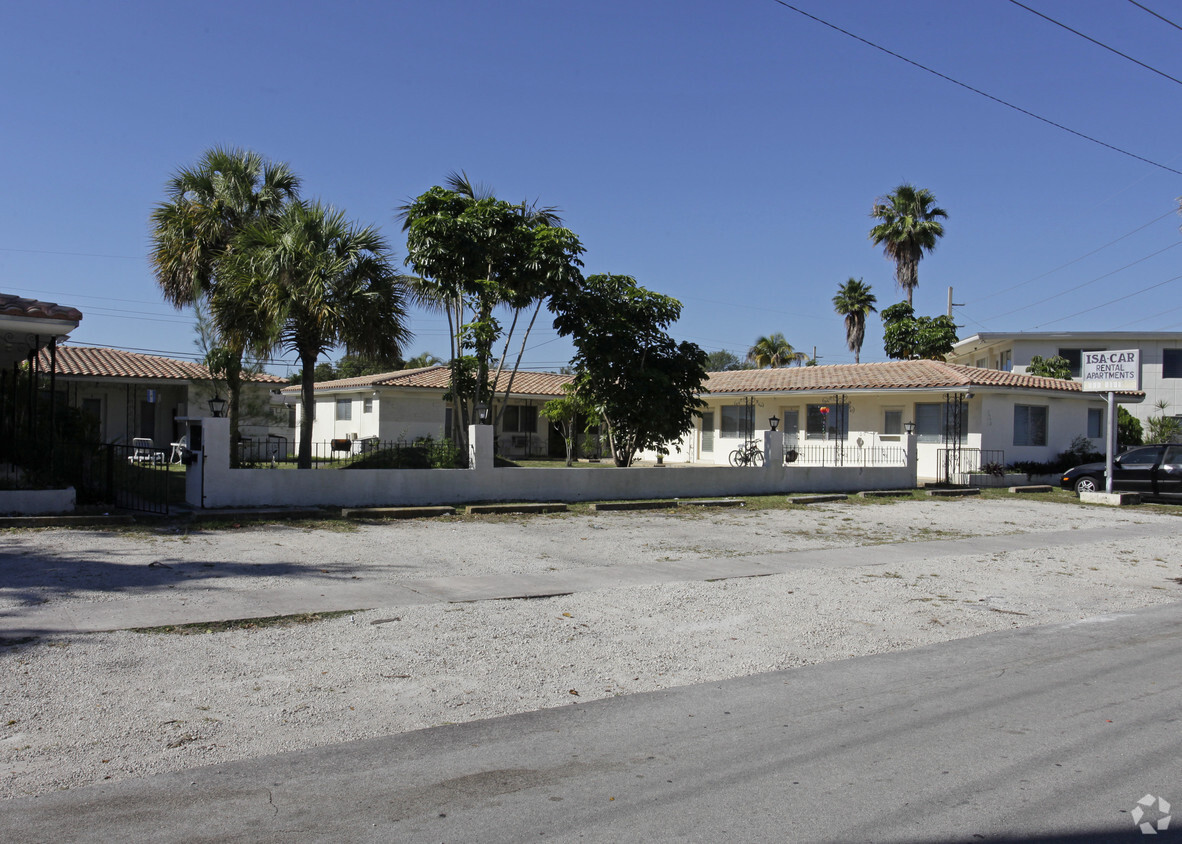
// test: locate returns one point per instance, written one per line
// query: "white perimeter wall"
(211, 483)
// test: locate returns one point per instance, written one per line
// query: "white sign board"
(1104, 372)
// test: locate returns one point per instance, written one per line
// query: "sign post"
(1110, 372)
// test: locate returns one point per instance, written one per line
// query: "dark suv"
(1148, 469)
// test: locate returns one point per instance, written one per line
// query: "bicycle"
(747, 455)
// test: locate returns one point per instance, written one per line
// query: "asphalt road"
(1048, 733)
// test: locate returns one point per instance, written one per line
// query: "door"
(1168, 478)
(791, 427)
(707, 446)
(1133, 471)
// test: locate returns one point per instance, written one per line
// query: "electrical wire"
(1155, 14)
(1097, 43)
(1086, 283)
(1169, 213)
(1111, 301)
(978, 91)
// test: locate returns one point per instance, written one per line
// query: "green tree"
(774, 351)
(854, 301)
(1162, 428)
(325, 282)
(909, 226)
(1053, 367)
(475, 255)
(1128, 428)
(571, 413)
(645, 383)
(724, 361)
(907, 337)
(206, 208)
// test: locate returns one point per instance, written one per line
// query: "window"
(344, 410)
(981, 363)
(832, 424)
(892, 421)
(1171, 363)
(367, 406)
(1096, 420)
(707, 431)
(519, 419)
(1030, 424)
(735, 421)
(1074, 358)
(93, 408)
(1006, 361)
(929, 423)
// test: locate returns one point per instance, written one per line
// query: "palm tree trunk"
(308, 402)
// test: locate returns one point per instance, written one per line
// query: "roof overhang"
(20, 336)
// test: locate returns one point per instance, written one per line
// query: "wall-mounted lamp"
(482, 413)
(968, 395)
(774, 422)
(909, 427)
(217, 406)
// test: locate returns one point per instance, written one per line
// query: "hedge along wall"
(211, 483)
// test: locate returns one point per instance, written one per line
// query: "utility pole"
(952, 304)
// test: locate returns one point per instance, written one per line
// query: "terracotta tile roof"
(436, 378)
(892, 375)
(84, 361)
(16, 306)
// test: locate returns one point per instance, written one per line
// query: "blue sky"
(724, 153)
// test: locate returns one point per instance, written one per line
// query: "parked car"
(1149, 469)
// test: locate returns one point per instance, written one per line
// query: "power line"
(1097, 43)
(1086, 283)
(1073, 260)
(1111, 301)
(1155, 14)
(978, 91)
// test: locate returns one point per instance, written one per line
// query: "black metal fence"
(364, 453)
(113, 474)
(844, 454)
(953, 464)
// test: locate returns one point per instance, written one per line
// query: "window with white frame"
(520, 419)
(826, 421)
(892, 421)
(1030, 424)
(1097, 419)
(344, 410)
(367, 405)
(734, 422)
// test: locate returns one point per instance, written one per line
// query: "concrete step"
(816, 499)
(396, 512)
(495, 509)
(953, 493)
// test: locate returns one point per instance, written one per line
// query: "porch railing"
(844, 454)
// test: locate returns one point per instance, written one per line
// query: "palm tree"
(910, 226)
(422, 361)
(325, 282)
(854, 301)
(774, 351)
(193, 233)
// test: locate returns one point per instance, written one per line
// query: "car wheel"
(1087, 484)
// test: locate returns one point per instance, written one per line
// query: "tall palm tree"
(854, 301)
(325, 282)
(193, 231)
(774, 351)
(909, 227)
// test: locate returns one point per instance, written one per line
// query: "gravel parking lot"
(78, 709)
